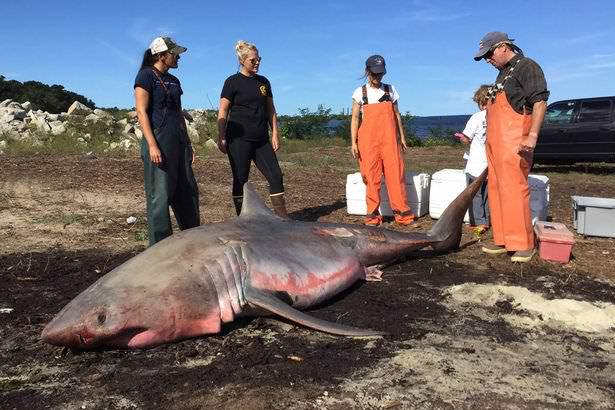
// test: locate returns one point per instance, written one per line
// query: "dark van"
(579, 130)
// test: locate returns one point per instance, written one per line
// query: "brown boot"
(279, 205)
(238, 201)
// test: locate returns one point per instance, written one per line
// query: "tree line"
(51, 98)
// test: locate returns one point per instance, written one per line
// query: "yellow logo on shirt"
(263, 89)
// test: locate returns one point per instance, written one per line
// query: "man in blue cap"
(517, 106)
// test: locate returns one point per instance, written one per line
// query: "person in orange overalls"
(518, 102)
(378, 143)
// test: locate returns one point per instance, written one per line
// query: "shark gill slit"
(238, 267)
(226, 311)
(228, 272)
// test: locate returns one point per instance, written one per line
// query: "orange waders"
(379, 153)
(509, 193)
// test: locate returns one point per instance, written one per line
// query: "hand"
(528, 143)
(275, 143)
(154, 155)
(355, 151)
(404, 145)
(461, 137)
(222, 145)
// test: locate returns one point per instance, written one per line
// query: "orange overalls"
(379, 153)
(509, 193)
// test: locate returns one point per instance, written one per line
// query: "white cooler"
(446, 184)
(417, 190)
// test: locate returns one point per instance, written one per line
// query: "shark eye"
(101, 318)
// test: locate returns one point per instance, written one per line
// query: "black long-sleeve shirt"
(526, 84)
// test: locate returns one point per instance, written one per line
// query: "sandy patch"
(531, 309)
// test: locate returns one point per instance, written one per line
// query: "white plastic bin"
(594, 216)
(540, 190)
(417, 190)
(446, 184)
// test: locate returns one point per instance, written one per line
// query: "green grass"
(62, 219)
(292, 146)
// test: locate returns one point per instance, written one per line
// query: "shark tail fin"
(446, 233)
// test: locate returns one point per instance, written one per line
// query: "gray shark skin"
(193, 282)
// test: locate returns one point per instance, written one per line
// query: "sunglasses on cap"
(489, 53)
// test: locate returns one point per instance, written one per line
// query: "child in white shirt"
(475, 134)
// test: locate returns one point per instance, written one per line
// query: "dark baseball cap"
(375, 64)
(160, 44)
(490, 40)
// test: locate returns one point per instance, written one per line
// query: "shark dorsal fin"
(253, 204)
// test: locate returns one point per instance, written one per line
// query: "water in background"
(422, 125)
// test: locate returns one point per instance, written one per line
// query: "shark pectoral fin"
(272, 304)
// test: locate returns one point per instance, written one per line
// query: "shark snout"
(65, 336)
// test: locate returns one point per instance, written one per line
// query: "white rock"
(42, 125)
(193, 133)
(138, 133)
(125, 144)
(27, 106)
(123, 121)
(131, 220)
(102, 113)
(57, 127)
(92, 118)
(211, 144)
(18, 125)
(77, 108)
(128, 128)
(88, 137)
(53, 117)
(3, 144)
(132, 114)
(113, 145)
(6, 102)
(6, 118)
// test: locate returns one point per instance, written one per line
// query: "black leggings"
(241, 153)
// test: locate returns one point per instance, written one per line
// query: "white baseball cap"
(161, 44)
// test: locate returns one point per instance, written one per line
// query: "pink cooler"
(555, 241)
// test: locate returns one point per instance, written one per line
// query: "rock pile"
(21, 122)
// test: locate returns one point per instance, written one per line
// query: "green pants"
(170, 184)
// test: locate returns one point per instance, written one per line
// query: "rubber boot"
(238, 201)
(279, 205)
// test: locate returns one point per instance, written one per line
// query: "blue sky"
(313, 52)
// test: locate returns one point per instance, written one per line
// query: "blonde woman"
(245, 115)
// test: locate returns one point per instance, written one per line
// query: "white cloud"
(597, 65)
(143, 31)
(287, 87)
(123, 56)
(585, 38)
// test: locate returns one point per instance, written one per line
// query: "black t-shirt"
(164, 105)
(526, 84)
(248, 114)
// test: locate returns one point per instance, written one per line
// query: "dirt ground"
(465, 330)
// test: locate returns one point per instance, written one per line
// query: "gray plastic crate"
(594, 216)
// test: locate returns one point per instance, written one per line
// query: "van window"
(559, 113)
(591, 111)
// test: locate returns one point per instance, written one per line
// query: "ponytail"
(148, 59)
